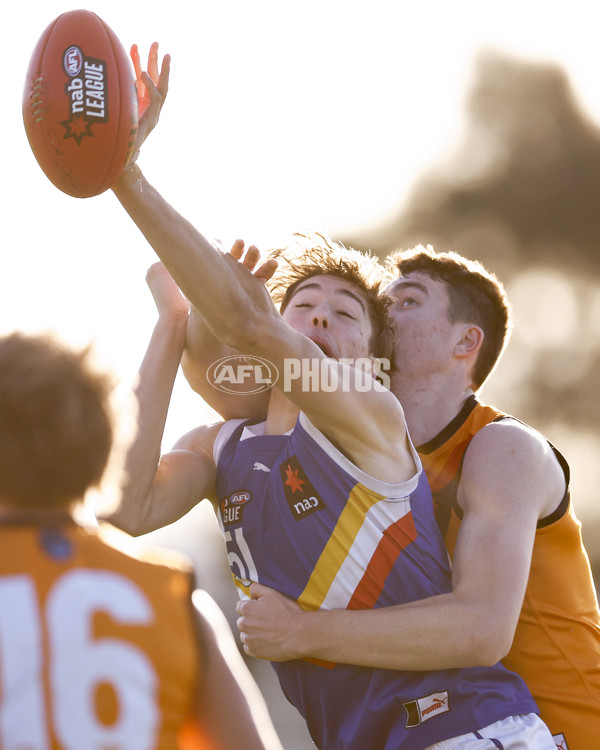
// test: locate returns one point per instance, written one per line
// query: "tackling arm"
(509, 480)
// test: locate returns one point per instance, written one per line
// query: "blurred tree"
(520, 195)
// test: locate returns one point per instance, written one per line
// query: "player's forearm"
(439, 633)
(153, 393)
(199, 269)
(202, 351)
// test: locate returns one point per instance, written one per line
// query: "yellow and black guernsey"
(298, 516)
(557, 642)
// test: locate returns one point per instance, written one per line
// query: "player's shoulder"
(508, 431)
(509, 447)
(201, 439)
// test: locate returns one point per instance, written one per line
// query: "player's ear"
(470, 341)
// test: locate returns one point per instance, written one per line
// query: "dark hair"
(314, 255)
(476, 296)
(56, 428)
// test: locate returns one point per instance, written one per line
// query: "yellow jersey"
(556, 647)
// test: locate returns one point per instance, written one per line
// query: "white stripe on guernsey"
(392, 492)
(379, 517)
(340, 544)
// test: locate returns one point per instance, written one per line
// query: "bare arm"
(230, 708)
(159, 490)
(510, 479)
(203, 349)
(368, 424)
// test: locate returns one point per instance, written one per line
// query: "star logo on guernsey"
(232, 508)
(425, 708)
(301, 496)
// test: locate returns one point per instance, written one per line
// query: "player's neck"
(282, 414)
(430, 404)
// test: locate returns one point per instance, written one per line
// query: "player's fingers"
(135, 59)
(165, 71)
(237, 249)
(266, 270)
(153, 62)
(251, 257)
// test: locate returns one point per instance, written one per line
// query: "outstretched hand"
(152, 87)
(250, 259)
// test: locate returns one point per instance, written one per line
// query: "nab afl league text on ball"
(80, 104)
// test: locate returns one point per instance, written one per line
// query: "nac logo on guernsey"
(300, 494)
(232, 507)
(242, 375)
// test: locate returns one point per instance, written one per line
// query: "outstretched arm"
(365, 421)
(203, 349)
(158, 491)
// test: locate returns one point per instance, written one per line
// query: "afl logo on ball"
(73, 61)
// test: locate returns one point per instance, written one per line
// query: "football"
(80, 104)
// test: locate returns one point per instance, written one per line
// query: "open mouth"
(323, 347)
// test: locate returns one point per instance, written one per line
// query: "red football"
(80, 104)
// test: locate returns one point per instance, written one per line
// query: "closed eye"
(346, 314)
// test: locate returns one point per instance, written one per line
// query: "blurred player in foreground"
(325, 499)
(101, 644)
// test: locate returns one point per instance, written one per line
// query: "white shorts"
(523, 732)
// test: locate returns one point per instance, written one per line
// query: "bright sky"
(281, 116)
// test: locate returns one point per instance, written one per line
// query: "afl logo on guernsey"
(299, 492)
(232, 507)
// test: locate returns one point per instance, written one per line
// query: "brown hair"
(56, 428)
(476, 296)
(313, 255)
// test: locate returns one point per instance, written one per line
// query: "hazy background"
(470, 125)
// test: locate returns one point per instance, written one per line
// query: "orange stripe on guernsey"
(395, 539)
(364, 526)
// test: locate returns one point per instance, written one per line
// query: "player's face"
(333, 313)
(424, 336)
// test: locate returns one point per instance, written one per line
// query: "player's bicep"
(182, 480)
(494, 545)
